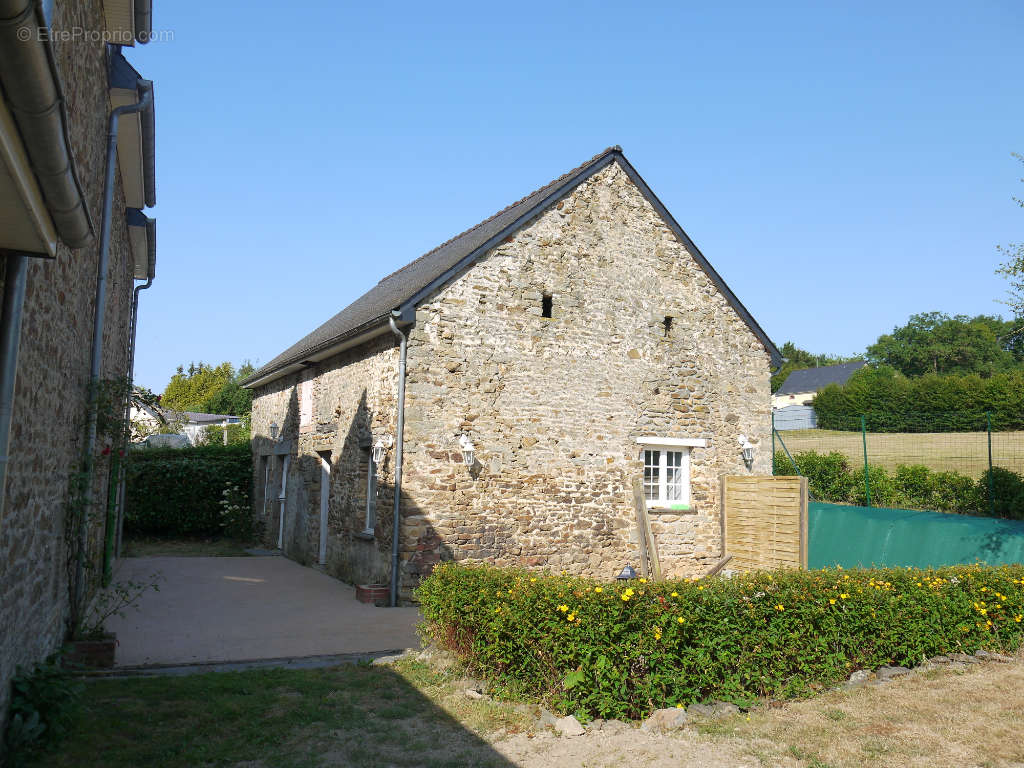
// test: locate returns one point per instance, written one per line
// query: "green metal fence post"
(773, 443)
(991, 494)
(864, 439)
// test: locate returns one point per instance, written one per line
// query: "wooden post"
(803, 523)
(640, 507)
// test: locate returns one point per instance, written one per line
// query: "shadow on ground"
(351, 715)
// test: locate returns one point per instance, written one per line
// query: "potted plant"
(90, 644)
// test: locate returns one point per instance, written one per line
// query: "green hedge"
(625, 649)
(182, 492)
(891, 402)
(831, 478)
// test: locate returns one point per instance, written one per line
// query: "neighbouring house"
(148, 419)
(60, 80)
(801, 386)
(570, 343)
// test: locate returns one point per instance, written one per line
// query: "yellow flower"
(563, 608)
(679, 706)
(1018, 617)
(598, 589)
(498, 609)
(643, 581)
(844, 595)
(625, 597)
(681, 620)
(657, 633)
(571, 617)
(832, 601)
(510, 591)
(780, 607)
(533, 579)
(676, 594)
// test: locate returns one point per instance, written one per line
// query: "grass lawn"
(410, 715)
(348, 715)
(963, 452)
(151, 547)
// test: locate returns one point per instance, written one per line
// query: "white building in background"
(150, 419)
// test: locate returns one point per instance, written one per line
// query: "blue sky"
(842, 165)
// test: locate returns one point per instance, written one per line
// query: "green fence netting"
(853, 537)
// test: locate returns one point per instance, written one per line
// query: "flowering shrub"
(623, 649)
(235, 513)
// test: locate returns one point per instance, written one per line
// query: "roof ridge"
(492, 217)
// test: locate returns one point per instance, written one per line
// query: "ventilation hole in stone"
(545, 305)
(668, 325)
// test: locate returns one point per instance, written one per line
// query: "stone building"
(573, 341)
(60, 79)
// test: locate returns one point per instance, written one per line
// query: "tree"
(1013, 268)
(798, 359)
(190, 391)
(208, 389)
(934, 342)
(232, 398)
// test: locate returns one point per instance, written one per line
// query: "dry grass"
(931, 718)
(963, 452)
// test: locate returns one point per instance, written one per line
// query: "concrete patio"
(229, 609)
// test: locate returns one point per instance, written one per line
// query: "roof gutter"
(377, 327)
(32, 86)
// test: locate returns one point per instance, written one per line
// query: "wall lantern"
(747, 450)
(273, 430)
(467, 450)
(381, 447)
(626, 574)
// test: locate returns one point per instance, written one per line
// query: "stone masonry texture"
(640, 342)
(47, 436)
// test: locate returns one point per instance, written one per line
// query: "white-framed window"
(667, 471)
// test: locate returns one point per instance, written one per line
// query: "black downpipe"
(88, 462)
(10, 340)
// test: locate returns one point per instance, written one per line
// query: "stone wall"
(353, 398)
(639, 343)
(53, 373)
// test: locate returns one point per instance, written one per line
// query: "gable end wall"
(553, 405)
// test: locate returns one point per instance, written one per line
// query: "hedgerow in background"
(624, 649)
(179, 492)
(891, 402)
(831, 478)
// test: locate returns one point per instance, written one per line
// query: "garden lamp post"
(626, 574)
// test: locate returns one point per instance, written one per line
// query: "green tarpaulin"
(866, 536)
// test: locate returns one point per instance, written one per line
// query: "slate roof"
(814, 379)
(413, 282)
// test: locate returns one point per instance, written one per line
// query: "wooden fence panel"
(765, 521)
